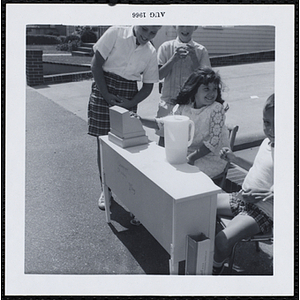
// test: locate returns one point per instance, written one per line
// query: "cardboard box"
(197, 255)
(123, 125)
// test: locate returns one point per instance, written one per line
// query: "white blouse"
(124, 58)
(261, 175)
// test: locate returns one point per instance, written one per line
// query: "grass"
(60, 56)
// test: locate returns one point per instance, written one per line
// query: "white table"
(171, 201)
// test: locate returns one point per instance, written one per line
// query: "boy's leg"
(241, 226)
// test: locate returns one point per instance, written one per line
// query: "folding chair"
(261, 237)
(224, 220)
(222, 177)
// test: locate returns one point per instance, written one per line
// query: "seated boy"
(252, 207)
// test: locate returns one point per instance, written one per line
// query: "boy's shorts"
(242, 207)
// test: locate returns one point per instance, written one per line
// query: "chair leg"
(222, 184)
(257, 246)
(231, 258)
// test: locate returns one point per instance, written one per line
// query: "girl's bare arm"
(202, 151)
(148, 122)
(227, 154)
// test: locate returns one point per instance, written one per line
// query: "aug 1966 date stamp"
(150, 15)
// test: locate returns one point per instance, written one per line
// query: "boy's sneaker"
(218, 270)
(101, 201)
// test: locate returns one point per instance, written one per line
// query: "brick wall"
(34, 67)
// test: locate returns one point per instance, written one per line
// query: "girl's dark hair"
(200, 76)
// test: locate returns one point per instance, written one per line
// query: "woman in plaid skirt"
(122, 56)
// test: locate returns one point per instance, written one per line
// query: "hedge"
(88, 36)
(41, 39)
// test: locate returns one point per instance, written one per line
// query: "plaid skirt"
(98, 108)
(239, 206)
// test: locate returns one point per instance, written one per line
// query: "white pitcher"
(179, 133)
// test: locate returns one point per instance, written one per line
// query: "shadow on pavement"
(250, 262)
(149, 254)
(154, 259)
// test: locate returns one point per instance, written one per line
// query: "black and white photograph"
(140, 150)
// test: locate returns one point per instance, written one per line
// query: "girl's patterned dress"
(210, 130)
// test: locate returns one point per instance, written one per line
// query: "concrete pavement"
(65, 232)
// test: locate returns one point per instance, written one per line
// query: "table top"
(179, 181)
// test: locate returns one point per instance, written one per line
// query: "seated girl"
(200, 99)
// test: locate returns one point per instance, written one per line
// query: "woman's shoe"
(101, 201)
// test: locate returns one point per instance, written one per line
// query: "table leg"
(174, 267)
(107, 198)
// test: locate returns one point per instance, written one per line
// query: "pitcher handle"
(191, 131)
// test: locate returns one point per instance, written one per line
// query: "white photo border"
(17, 283)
